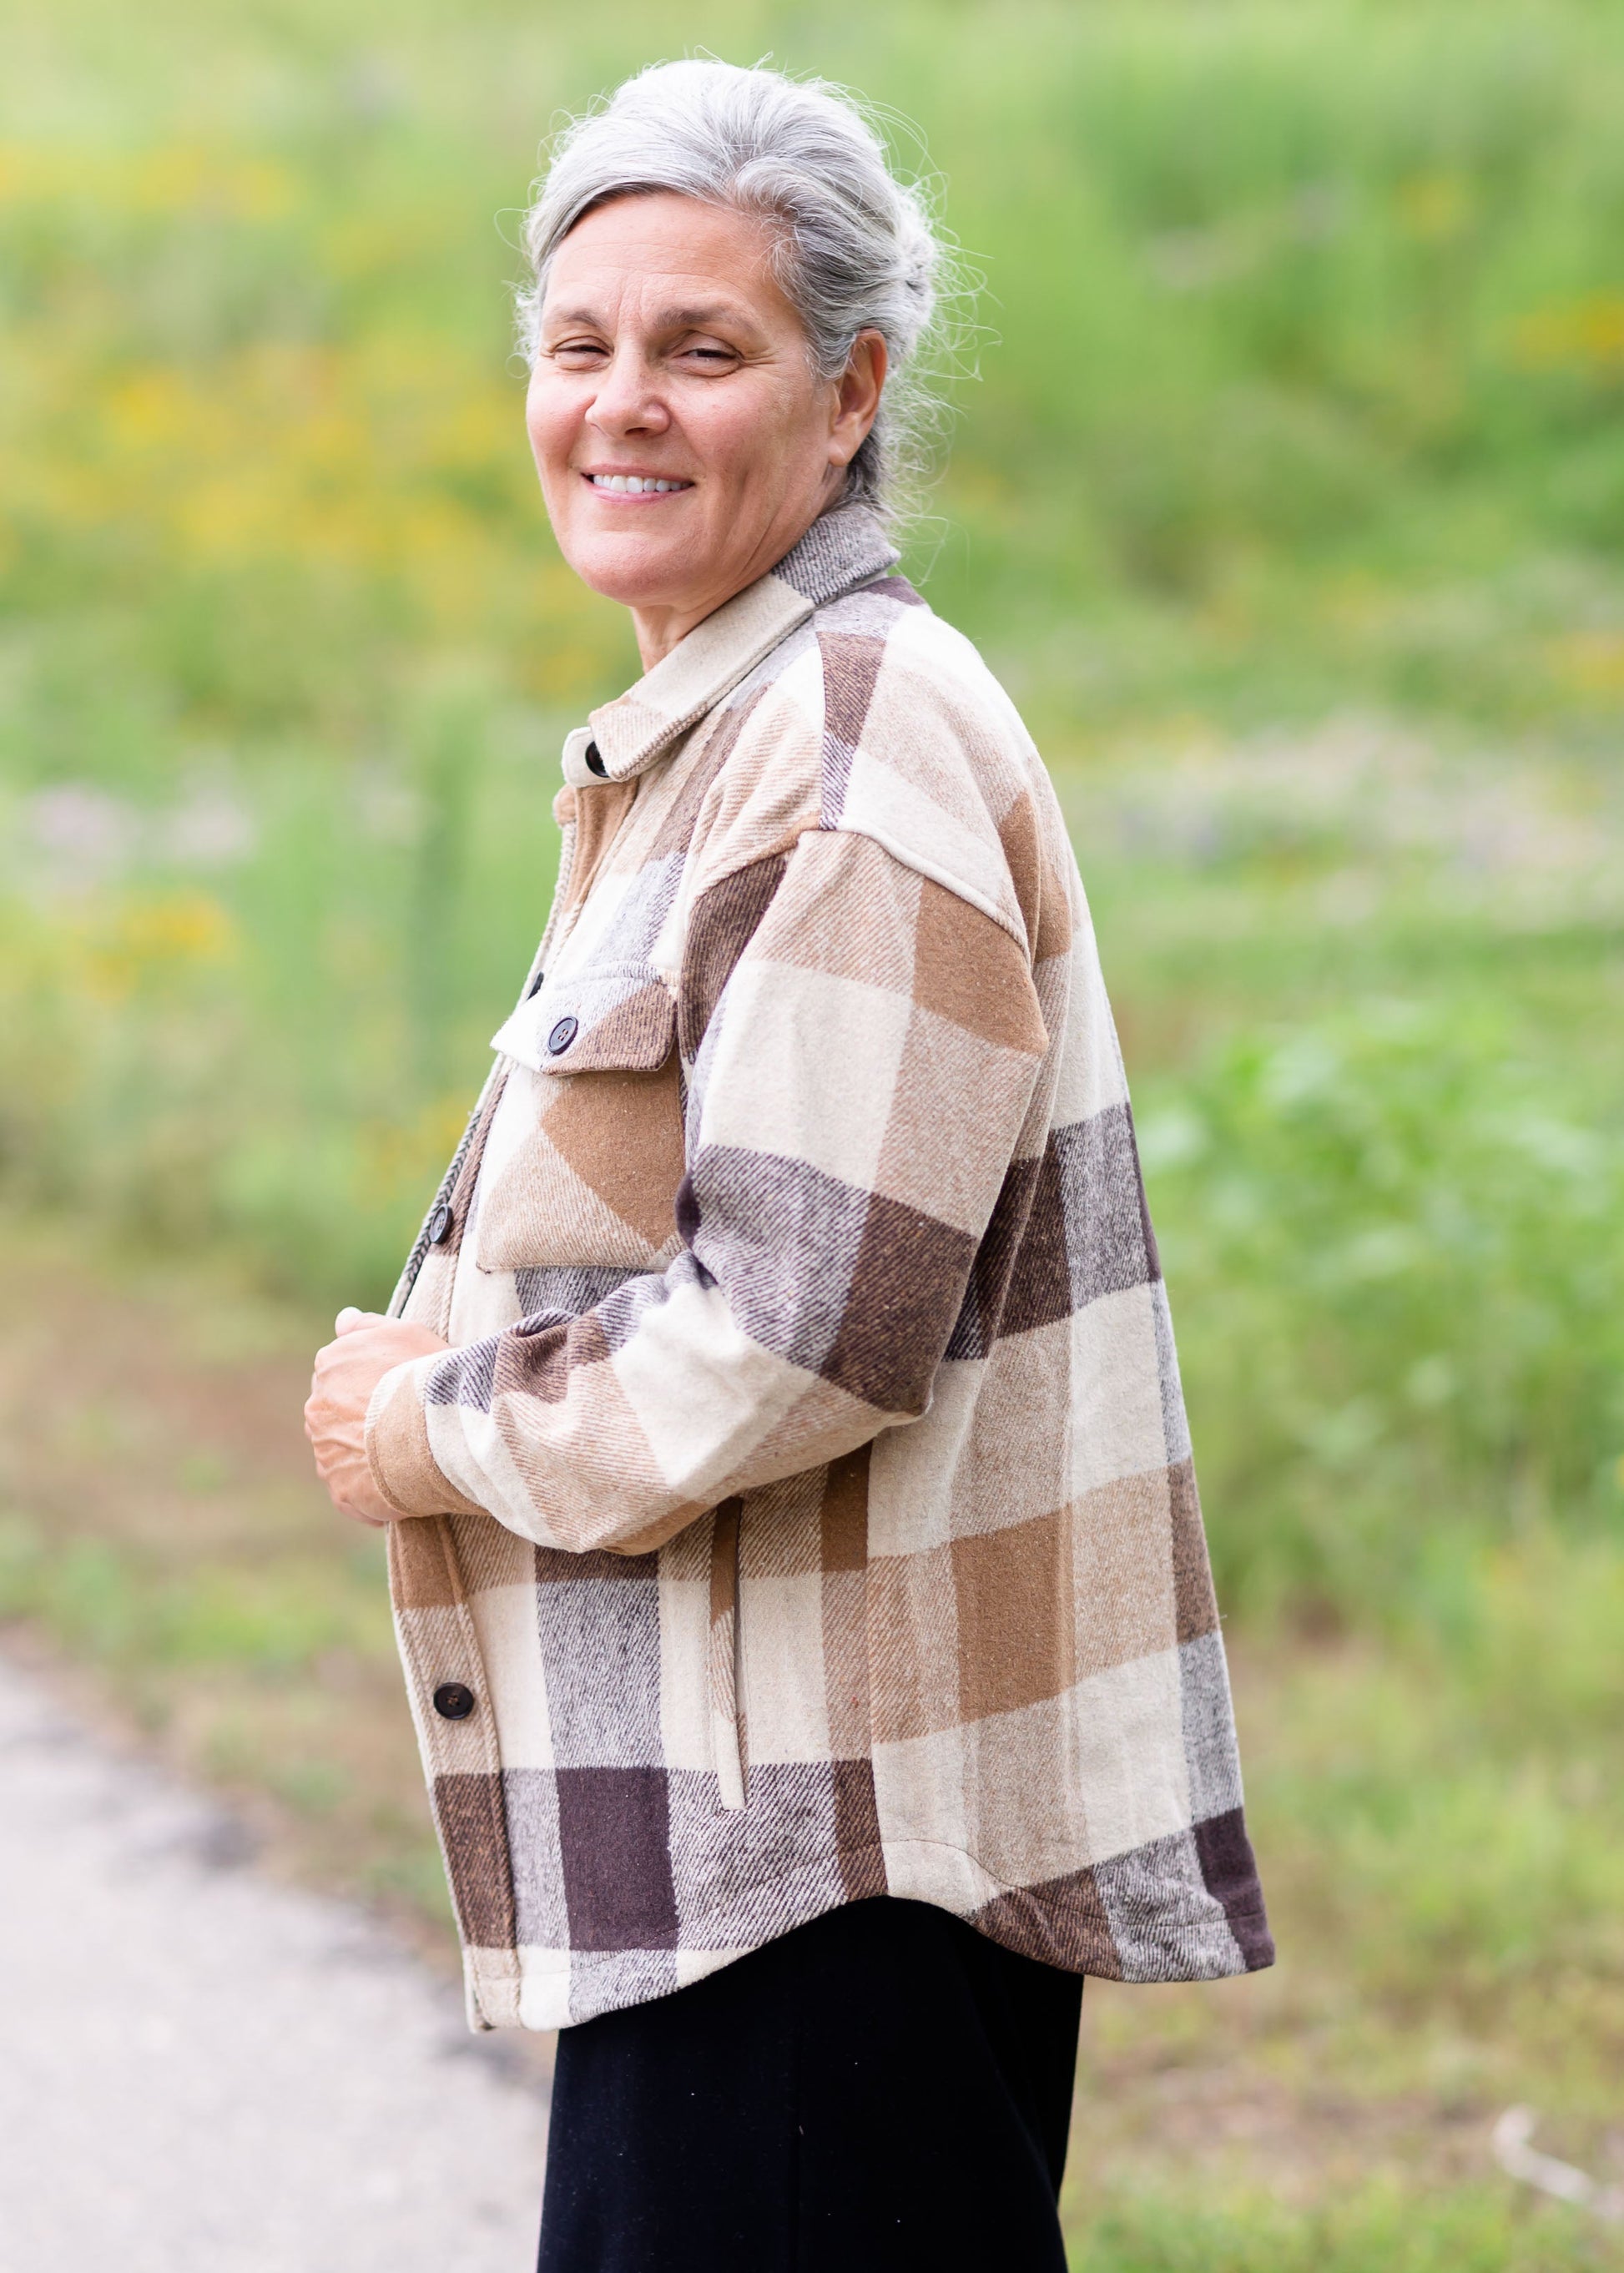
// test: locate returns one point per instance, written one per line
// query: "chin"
(637, 571)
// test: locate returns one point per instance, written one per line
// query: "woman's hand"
(347, 1372)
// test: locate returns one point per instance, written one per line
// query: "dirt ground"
(205, 2071)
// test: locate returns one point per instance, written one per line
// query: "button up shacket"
(804, 1510)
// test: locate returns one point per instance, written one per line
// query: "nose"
(628, 400)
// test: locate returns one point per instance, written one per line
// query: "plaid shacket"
(804, 1509)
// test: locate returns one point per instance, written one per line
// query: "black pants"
(884, 2089)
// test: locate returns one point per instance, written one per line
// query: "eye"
(576, 350)
(709, 355)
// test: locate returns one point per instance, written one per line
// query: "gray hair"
(856, 248)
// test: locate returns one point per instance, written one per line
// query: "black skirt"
(884, 2089)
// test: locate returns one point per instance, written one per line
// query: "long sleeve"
(859, 1046)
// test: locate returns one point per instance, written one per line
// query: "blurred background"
(1286, 495)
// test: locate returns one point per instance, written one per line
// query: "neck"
(659, 629)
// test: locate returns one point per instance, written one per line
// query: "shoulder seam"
(786, 844)
(934, 871)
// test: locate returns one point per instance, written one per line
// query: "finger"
(348, 1319)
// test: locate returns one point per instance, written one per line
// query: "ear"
(857, 397)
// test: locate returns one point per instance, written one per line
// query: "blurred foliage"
(1298, 317)
(1300, 380)
(1287, 497)
(1400, 1259)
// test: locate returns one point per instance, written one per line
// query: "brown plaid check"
(806, 1501)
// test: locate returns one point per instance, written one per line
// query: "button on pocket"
(454, 1700)
(616, 1018)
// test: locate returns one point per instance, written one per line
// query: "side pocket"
(726, 1737)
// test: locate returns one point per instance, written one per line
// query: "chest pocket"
(590, 1172)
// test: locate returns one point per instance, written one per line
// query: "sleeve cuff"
(397, 1445)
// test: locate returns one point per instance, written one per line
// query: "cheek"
(551, 423)
(752, 441)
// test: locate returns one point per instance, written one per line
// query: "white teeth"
(636, 484)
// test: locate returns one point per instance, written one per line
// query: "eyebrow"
(669, 319)
(697, 319)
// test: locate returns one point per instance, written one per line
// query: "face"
(683, 438)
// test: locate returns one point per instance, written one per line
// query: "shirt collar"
(844, 548)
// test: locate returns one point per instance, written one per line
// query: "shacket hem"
(1213, 1953)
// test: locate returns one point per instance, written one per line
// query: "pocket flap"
(620, 1019)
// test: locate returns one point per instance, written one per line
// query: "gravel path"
(202, 2072)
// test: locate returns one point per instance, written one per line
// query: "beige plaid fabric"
(805, 1508)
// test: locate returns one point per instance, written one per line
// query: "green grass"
(123, 1609)
(1289, 501)
(1384, 2229)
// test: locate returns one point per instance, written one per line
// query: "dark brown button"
(439, 1224)
(560, 1040)
(594, 761)
(454, 1700)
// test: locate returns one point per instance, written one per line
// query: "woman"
(797, 1562)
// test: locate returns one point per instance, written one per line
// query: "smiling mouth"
(636, 486)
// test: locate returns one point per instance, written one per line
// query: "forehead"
(662, 253)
